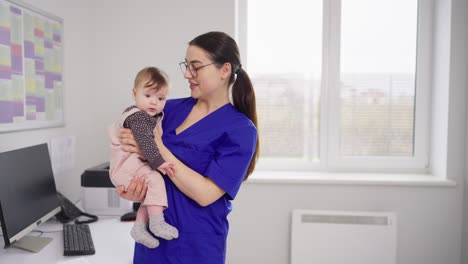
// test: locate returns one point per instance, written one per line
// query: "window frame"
(330, 160)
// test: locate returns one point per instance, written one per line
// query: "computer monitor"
(28, 196)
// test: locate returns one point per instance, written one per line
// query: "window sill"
(332, 178)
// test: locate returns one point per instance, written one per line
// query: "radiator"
(339, 237)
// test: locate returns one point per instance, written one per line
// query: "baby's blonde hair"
(154, 77)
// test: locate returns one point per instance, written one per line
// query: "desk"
(111, 238)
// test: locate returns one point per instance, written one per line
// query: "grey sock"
(161, 229)
(142, 236)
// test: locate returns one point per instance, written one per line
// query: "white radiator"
(337, 237)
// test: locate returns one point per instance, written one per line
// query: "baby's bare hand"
(167, 168)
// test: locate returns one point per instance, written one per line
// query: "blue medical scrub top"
(219, 146)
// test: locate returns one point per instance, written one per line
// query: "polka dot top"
(142, 126)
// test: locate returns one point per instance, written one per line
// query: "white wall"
(462, 12)
(78, 82)
(107, 42)
(428, 219)
(130, 37)
(464, 256)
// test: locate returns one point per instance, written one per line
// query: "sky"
(376, 36)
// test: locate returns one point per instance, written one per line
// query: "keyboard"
(77, 240)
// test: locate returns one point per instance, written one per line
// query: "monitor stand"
(32, 243)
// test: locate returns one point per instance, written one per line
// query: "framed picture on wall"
(31, 67)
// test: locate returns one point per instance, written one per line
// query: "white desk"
(111, 238)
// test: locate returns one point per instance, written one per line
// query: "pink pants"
(124, 166)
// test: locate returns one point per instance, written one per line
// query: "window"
(336, 82)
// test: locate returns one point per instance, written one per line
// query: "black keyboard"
(77, 240)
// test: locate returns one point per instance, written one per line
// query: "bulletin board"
(31, 67)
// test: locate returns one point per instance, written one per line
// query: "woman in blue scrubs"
(214, 146)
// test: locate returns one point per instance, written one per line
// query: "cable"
(47, 232)
(38, 231)
(109, 216)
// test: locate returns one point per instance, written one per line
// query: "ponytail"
(243, 97)
(222, 48)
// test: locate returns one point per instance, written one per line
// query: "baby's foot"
(161, 229)
(142, 236)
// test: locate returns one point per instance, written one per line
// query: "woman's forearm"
(196, 186)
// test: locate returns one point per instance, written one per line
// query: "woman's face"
(208, 80)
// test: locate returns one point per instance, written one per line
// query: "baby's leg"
(158, 225)
(139, 231)
(156, 201)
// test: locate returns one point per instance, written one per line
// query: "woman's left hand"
(128, 142)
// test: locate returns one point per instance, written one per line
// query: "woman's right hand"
(128, 142)
(136, 191)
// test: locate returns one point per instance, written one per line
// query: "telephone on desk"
(70, 212)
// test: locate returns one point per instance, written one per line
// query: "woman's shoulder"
(236, 120)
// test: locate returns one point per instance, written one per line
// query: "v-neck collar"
(199, 121)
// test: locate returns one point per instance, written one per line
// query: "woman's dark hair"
(222, 48)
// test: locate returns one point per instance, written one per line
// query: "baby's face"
(149, 100)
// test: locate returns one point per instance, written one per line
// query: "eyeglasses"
(184, 66)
